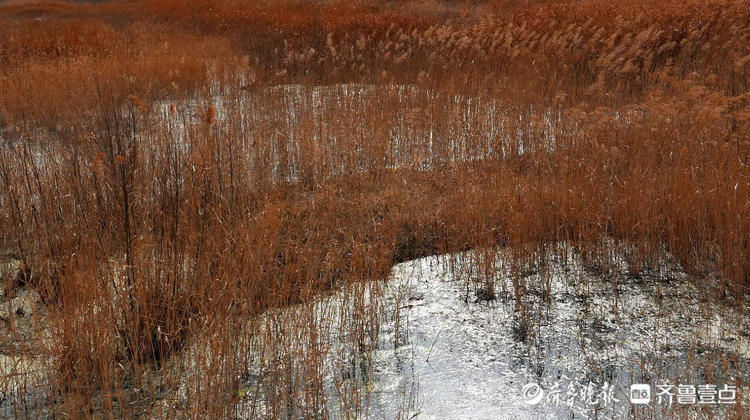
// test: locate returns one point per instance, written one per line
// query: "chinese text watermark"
(591, 394)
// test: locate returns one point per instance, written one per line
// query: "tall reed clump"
(172, 172)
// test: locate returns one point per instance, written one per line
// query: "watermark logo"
(532, 393)
(706, 394)
(575, 394)
(640, 394)
(571, 394)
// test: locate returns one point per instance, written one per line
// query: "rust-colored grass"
(158, 190)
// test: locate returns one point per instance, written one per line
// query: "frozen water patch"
(584, 346)
(23, 366)
(445, 347)
(455, 351)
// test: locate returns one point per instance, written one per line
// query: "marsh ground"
(175, 174)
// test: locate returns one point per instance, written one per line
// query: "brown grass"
(150, 216)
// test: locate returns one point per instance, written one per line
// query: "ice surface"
(444, 352)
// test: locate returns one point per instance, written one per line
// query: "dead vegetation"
(158, 189)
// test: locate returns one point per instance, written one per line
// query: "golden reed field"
(172, 170)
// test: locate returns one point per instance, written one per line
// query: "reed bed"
(172, 171)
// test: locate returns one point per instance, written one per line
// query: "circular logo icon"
(532, 393)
